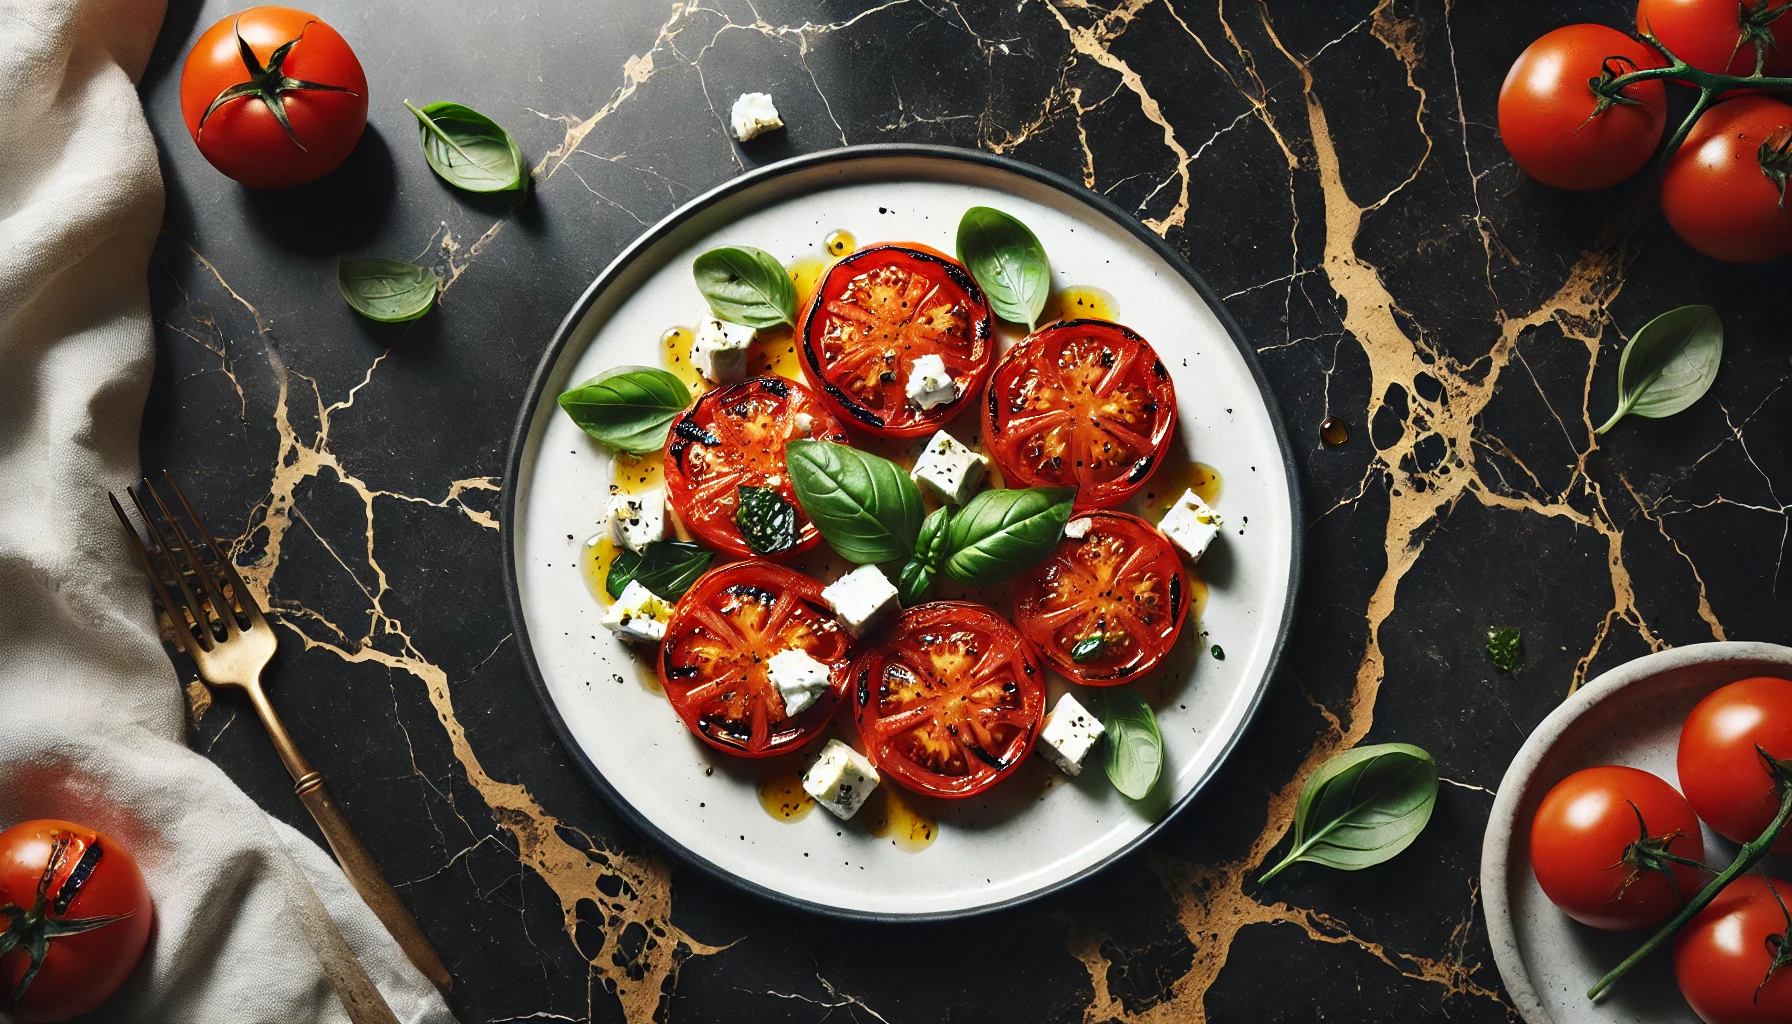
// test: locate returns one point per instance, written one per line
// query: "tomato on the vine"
(1723, 775)
(1724, 37)
(1724, 191)
(1598, 842)
(1723, 956)
(1551, 119)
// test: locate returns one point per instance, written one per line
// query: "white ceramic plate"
(1631, 716)
(1036, 831)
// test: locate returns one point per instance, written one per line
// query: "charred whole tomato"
(734, 437)
(719, 642)
(1084, 404)
(949, 701)
(877, 311)
(1106, 607)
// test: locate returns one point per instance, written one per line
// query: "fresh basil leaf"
(628, 408)
(469, 150)
(930, 549)
(390, 291)
(1502, 646)
(1008, 263)
(1669, 364)
(866, 507)
(1000, 534)
(1362, 807)
(1088, 649)
(666, 567)
(766, 520)
(1134, 749)
(744, 285)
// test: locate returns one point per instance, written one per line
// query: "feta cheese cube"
(639, 615)
(637, 520)
(1191, 525)
(841, 779)
(1070, 733)
(800, 678)
(719, 352)
(753, 115)
(860, 599)
(1077, 529)
(929, 383)
(949, 469)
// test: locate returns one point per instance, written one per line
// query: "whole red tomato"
(1547, 118)
(1593, 843)
(1722, 956)
(1724, 189)
(1723, 776)
(273, 97)
(81, 893)
(1709, 34)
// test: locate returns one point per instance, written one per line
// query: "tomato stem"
(1711, 85)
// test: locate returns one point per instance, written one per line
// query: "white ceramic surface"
(1034, 831)
(1631, 716)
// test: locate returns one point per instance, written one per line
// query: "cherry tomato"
(877, 311)
(1084, 404)
(1722, 955)
(1105, 608)
(1546, 109)
(1720, 193)
(82, 890)
(293, 117)
(1708, 33)
(1723, 777)
(1593, 856)
(722, 635)
(949, 701)
(734, 437)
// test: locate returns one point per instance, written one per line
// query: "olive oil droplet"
(675, 348)
(805, 274)
(595, 556)
(888, 816)
(839, 243)
(1334, 432)
(1171, 479)
(781, 794)
(1081, 302)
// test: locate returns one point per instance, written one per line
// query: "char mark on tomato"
(77, 877)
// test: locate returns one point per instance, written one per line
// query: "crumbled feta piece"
(639, 615)
(637, 520)
(1191, 524)
(1077, 529)
(840, 779)
(949, 469)
(860, 598)
(929, 383)
(801, 679)
(754, 115)
(805, 423)
(1070, 733)
(719, 351)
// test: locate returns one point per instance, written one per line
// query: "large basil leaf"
(390, 291)
(930, 550)
(1008, 263)
(866, 507)
(766, 520)
(1000, 534)
(666, 567)
(1362, 807)
(468, 149)
(1669, 364)
(744, 285)
(629, 408)
(1134, 749)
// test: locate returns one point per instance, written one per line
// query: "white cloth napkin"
(91, 717)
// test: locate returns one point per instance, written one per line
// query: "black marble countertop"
(1331, 168)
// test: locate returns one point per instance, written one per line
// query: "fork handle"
(365, 876)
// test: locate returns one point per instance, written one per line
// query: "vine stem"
(1711, 87)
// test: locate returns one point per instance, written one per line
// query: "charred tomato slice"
(949, 701)
(878, 310)
(720, 641)
(1084, 404)
(734, 437)
(1105, 608)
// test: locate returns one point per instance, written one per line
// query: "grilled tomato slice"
(949, 701)
(1084, 404)
(734, 437)
(876, 312)
(720, 641)
(1105, 608)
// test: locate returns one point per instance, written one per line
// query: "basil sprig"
(999, 534)
(666, 567)
(390, 291)
(744, 285)
(628, 408)
(1008, 263)
(1133, 751)
(930, 550)
(1362, 807)
(865, 506)
(767, 521)
(1669, 364)
(469, 150)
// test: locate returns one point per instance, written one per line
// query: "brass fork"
(231, 642)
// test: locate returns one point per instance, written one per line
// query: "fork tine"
(194, 619)
(244, 599)
(181, 630)
(226, 614)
